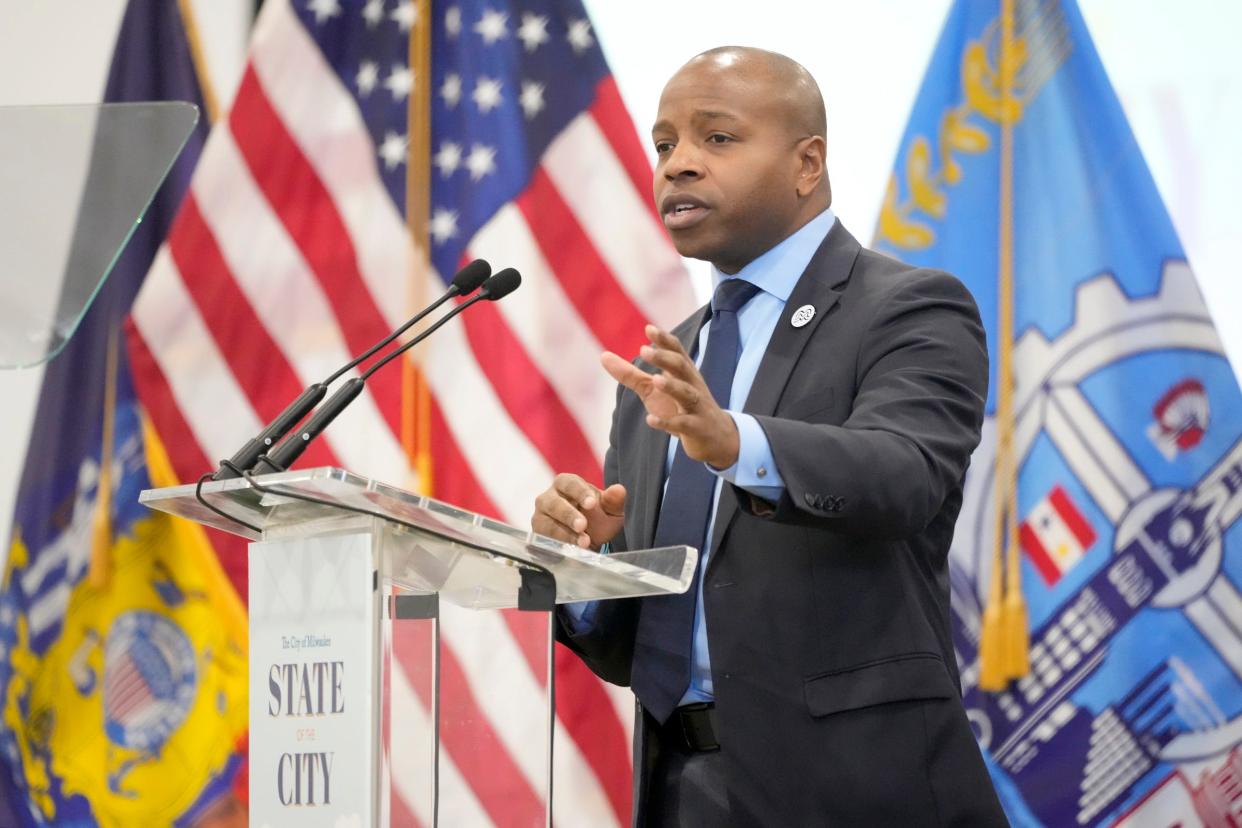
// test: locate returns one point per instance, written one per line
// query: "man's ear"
(812, 169)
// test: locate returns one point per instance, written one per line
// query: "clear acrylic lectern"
(362, 639)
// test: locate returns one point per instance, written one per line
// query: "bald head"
(783, 80)
(739, 136)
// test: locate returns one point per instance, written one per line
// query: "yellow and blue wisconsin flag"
(1102, 507)
(122, 645)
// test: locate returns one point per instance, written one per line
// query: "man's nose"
(684, 161)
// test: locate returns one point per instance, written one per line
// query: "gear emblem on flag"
(1167, 546)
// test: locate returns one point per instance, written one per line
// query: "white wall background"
(1174, 65)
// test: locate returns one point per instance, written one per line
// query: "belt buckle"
(689, 732)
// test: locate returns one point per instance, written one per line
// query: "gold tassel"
(992, 650)
(1017, 637)
(1017, 633)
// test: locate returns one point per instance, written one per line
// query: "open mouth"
(680, 215)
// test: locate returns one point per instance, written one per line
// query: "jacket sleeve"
(606, 644)
(921, 388)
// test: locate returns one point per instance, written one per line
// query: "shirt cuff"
(581, 614)
(755, 469)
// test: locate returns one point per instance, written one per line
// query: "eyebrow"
(713, 115)
(699, 115)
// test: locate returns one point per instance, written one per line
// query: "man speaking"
(809, 431)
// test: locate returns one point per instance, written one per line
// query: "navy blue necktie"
(661, 668)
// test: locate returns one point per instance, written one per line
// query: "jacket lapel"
(820, 287)
(653, 445)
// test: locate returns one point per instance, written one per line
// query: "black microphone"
(465, 282)
(290, 449)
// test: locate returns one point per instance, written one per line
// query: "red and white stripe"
(288, 256)
(126, 691)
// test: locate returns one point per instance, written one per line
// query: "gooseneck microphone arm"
(494, 289)
(291, 448)
(244, 458)
(465, 282)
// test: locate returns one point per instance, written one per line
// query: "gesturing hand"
(678, 400)
(574, 511)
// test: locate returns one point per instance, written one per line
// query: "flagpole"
(199, 59)
(1003, 637)
(415, 396)
(1016, 638)
(100, 570)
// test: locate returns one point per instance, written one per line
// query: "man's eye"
(717, 138)
(662, 147)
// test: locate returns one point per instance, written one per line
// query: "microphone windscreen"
(502, 284)
(468, 279)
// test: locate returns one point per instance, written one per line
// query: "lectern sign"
(312, 748)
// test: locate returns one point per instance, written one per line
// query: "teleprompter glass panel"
(74, 183)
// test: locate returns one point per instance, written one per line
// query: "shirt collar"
(778, 270)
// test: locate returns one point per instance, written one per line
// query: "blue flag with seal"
(122, 644)
(1097, 564)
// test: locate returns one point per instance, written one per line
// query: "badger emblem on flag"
(1056, 535)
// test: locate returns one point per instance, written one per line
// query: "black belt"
(691, 729)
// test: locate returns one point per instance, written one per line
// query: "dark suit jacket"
(837, 694)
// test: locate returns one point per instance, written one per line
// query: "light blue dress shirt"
(775, 273)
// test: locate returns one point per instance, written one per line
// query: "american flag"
(291, 252)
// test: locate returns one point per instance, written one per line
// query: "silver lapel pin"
(802, 316)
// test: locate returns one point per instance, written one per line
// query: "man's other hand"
(574, 511)
(678, 400)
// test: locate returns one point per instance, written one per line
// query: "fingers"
(689, 395)
(559, 510)
(612, 500)
(684, 426)
(557, 518)
(678, 387)
(624, 372)
(664, 339)
(576, 490)
(666, 353)
(671, 362)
